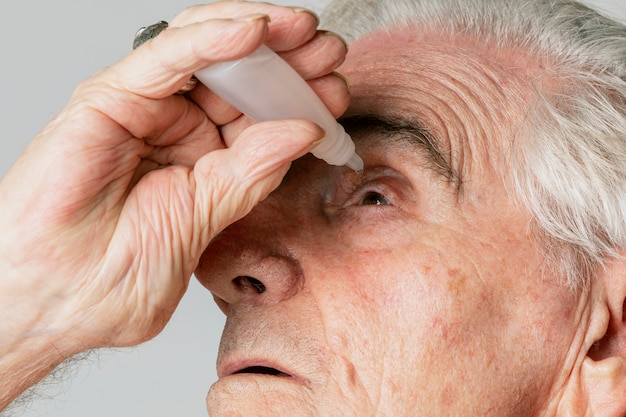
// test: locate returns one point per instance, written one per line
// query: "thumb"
(230, 182)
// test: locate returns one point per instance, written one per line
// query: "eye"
(374, 199)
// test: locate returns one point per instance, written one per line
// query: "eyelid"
(375, 180)
(356, 197)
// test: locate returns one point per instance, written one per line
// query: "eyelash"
(363, 192)
(381, 187)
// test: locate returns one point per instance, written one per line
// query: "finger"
(333, 90)
(230, 182)
(320, 56)
(137, 92)
(232, 130)
(216, 108)
(203, 139)
(162, 65)
(289, 27)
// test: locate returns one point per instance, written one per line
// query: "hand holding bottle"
(107, 212)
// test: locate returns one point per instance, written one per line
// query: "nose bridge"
(250, 261)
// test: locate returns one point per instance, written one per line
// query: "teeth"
(264, 370)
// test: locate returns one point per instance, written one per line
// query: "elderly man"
(473, 267)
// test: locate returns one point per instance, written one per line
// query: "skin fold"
(414, 288)
(417, 287)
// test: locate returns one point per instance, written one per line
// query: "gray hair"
(570, 168)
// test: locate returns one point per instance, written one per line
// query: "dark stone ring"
(145, 34)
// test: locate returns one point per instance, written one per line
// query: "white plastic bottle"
(264, 87)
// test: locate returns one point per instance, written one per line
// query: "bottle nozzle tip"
(355, 162)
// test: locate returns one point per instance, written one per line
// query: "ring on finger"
(145, 34)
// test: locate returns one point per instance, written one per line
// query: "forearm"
(26, 363)
(33, 339)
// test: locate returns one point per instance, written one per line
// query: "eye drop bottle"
(264, 87)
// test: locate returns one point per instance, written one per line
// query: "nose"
(249, 261)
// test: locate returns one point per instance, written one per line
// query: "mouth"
(262, 370)
(255, 385)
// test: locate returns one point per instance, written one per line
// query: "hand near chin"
(107, 212)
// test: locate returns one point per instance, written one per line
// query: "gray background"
(48, 47)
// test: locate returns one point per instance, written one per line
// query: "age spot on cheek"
(457, 283)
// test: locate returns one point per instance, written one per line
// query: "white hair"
(569, 159)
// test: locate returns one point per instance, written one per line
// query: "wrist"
(35, 331)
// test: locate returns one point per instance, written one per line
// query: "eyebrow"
(411, 133)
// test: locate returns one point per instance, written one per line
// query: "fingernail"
(343, 78)
(336, 35)
(320, 140)
(308, 11)
(255, 17)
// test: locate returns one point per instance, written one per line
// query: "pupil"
(374, 199)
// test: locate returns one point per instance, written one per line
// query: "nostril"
(247, 284)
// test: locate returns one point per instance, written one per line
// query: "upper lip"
(252, 343)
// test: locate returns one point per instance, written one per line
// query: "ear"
(604, 369)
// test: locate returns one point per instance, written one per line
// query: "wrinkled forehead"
(471, 98)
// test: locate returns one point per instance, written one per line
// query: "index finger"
(289, 27)
(161, 66)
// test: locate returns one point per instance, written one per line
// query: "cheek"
(378, 317)
(396, 318)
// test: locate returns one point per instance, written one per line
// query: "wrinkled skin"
(414, 288)
(408, 289)
(107, 212)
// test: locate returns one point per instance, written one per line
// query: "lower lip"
(252, 394)
(259, 384)
(265, 378)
